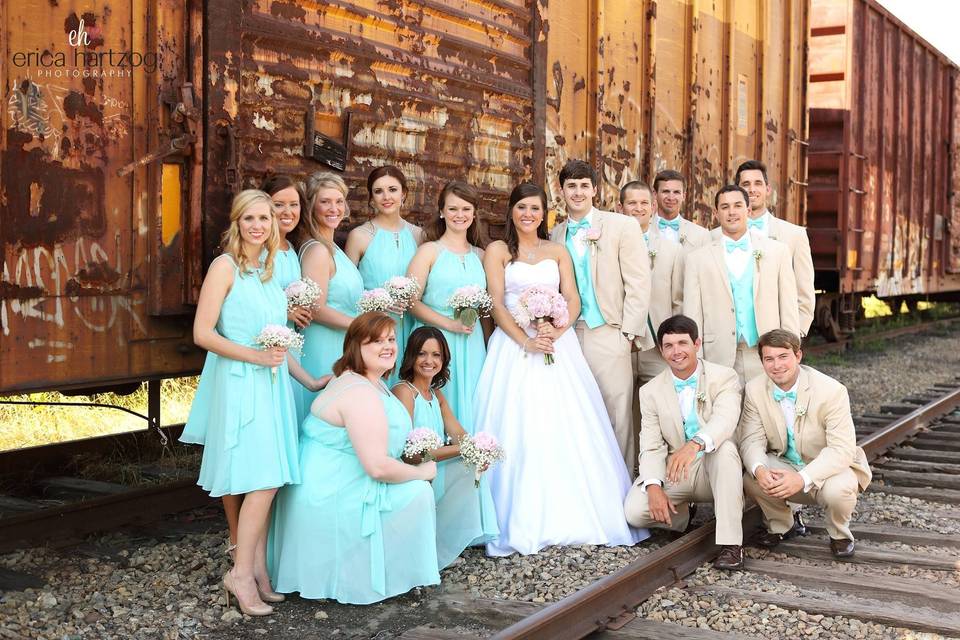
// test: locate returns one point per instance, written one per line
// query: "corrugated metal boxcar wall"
(441, 89)
(692, 85)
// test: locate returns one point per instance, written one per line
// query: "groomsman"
(739, 287)
(689, 414)
(752, 176)
(613, 278)
(666, 274)
(668, 223)
(798, 444)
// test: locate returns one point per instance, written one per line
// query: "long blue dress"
(343, 535)
(244, 415)
(323, 345)
(286, 269)
(465, 513)
(467, 352)
(389, 254)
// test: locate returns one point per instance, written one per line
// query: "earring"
(441, 216)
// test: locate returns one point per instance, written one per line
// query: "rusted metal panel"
(882, 101)
(72, 231)
(639, 87)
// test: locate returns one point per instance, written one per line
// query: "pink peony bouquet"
(470, 303)
(537, 305)
(374, 300)
(480, 451)
(421, 442)
(279, 336)
(302, 293)
(403, 290)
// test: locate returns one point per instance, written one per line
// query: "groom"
(613, 277)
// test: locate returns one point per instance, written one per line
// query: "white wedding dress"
(563, 479)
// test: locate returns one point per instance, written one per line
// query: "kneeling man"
(798, 443)
(688, 415)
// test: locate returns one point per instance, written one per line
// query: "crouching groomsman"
(798, 444)
(689, 414)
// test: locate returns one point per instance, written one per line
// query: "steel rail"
(853, 340)
(612, 599)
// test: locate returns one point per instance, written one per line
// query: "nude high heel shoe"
(271, 595)
(255, 610)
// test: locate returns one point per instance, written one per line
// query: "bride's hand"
(547, 330)
(538, 344)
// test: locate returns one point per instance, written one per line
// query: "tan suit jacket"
(708, 298)
(795, 237)
(661, 424)
(692, 235)
(666, 289)
(620, 270)
(823, 428)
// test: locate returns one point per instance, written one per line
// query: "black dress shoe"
(799, 528)
(693, 512)
(730, 558)
(768, 539)
(842, 548)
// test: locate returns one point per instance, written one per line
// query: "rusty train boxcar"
(116, 186)
(882, 211)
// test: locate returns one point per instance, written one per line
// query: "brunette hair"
(665, 176)
(676, 325)
(272, 185)
(232, 242)
(576, 169)
(521, 191)
(438, 226)
(414, 344)
(779, 339)
(634, 185)
(751, 165)
(365, 328)
(385, 170)
(730, 188)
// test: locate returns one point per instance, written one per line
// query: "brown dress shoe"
(730, 558)
(768, 539)
(841, 548)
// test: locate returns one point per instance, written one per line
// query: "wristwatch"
(700, 441)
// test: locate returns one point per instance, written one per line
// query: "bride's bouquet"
(278, 335)
(480, 451)
(302, 293)
(537, 305)
(421, 442)
(403, 290)
(374, 300)
(470, 303)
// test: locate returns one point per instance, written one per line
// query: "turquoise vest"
(589, 308)
(743, 305)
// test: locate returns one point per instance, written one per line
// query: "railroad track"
(914, 449)
(861, 337)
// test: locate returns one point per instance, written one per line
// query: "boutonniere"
(592, 236)
(652, 253)
(683, 238)
(801, 411)
(757, 254)
(701, 397)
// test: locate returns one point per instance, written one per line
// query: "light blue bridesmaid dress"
(465, 513)
(286, 269)
(343, 535)
(388, 255)
(323, 345)
(467, 352)
(244, 415)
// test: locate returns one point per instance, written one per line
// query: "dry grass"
(34, 425)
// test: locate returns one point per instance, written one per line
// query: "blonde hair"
(315, 184)
(232, 242)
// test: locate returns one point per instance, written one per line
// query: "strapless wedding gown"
(563, 480)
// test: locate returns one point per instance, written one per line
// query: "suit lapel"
(757, 242)
(560, 232)
(672, 402)
(776, 413)
(593, 248)
(773, 226)
(698, 406)
(717, 249)
(801, 406)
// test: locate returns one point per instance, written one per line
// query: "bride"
(563, 480)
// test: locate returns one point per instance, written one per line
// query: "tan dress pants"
(838, 497)
(747, 364)
(716, 477)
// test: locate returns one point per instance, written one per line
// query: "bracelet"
(524, 347)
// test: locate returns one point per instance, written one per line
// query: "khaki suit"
(692, 235)
(795, 237)
(825, 439)
(716, 476)
(620, 270)
(708, 299)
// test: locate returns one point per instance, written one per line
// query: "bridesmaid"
(383, 247)
(248, 419)
(450, 259)
(465, 514)
(362, 526)
(326, 264)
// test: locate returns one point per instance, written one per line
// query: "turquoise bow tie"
(573, 227)
(646, 237)
(679, 385)
(743, 244)
(756, 223)
(672, 224)
(779, 395)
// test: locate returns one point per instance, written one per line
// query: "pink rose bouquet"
(480, 451)
(374, 300)
(302, 293)
(470, 303)
(537, 305)
(421, 442)
(279, 336)
(404, 291)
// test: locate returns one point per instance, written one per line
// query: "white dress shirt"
(788, 407)
(764, 228)
(738, 259)
(580, 239)
(667, 232)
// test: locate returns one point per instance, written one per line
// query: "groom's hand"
(660, 505)
(678, 464)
